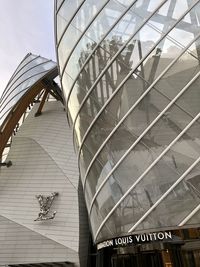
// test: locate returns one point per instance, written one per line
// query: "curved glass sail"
(31, 69)
(130, 75)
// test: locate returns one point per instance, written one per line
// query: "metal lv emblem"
(45, 205)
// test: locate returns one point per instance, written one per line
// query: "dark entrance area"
(163, 255)
(134, 256)
(149, 259)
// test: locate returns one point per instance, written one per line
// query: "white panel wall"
(43, 162)
(20, 245)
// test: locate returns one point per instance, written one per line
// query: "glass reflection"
(92, 36)
(184, 198)
(74, 31)
(65, 14)
(145, 112)
(157, 181)
(140, 48)
(157, 55)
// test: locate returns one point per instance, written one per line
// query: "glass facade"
(130, 75)
(31, 69)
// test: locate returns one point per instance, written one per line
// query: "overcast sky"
(25, 26)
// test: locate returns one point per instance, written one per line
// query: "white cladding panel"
(43, 162)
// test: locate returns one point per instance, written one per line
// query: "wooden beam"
(39, 111)
(14, 116)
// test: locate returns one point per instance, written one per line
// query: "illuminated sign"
(135, 239)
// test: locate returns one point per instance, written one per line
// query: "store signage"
(135, 239)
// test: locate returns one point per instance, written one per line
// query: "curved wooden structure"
(19, 108)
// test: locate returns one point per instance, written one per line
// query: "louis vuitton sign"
(45, 203)
(136, 239)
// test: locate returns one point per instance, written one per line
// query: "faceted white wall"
(43, 162)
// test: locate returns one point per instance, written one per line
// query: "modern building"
(130, 85)
(130, 75)
(43, 220)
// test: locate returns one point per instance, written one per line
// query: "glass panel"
(120, 67)
(32, 65)
(160, 135)
(58, 3)
(66, 45)
(19, 85)
(26, 60)
(81, 52)
(125, 2)
(61, 24)
(177, 205)
(22, 64)
(109, 48)
(113, 77)
(144, 113)
(10, 104)
(82, 19)
(17, 94)
(100, 60)
(88, 10)
(65, 14)
(66, 85)
(194, 220)
(153, 185)
(96, 31)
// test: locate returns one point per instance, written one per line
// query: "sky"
(25, 26)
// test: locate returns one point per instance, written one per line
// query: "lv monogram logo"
(45, 205)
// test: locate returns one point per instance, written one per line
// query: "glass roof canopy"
(31, 69)
(32, 77)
